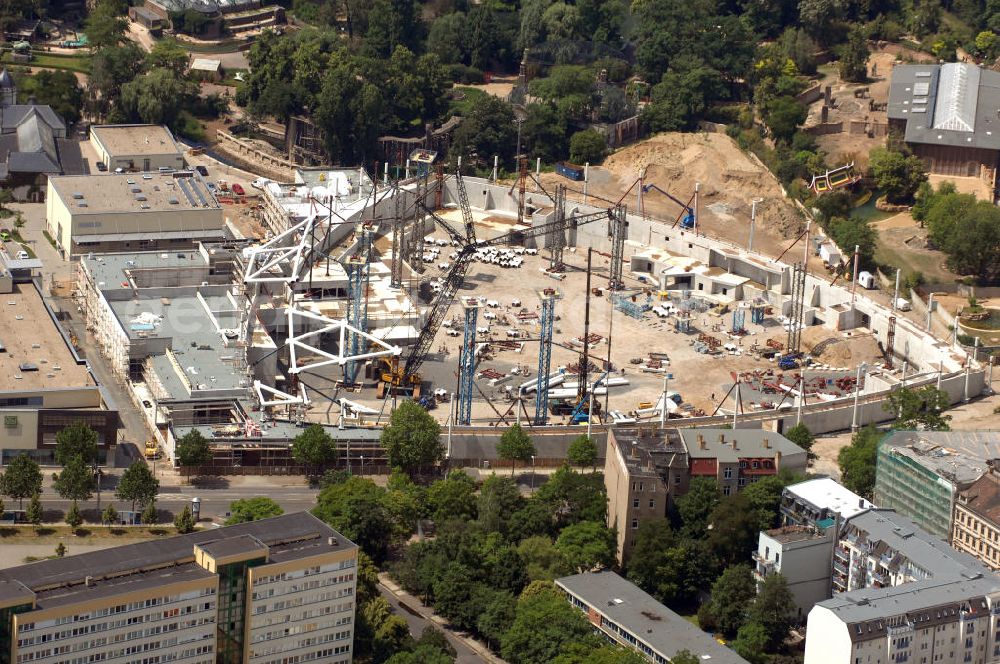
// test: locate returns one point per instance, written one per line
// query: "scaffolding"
(627, 304)
(739, 320)
(548, 298)
(357, 268)
(795, 319)
(555, 238)
(757, 310)
(890, 342)
(467, 361)
(618, 234)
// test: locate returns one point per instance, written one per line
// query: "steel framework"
(271, 396)
(548, 298)
(890, 342)
(739, 320)
(398, 224)
(555, 238)
(357, 267)
(798, 308)
(615, 281)
(467, 361)
(297, 319)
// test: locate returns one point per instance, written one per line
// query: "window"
(652, 503)
(635, 502)
(725, 490)
(727, 473)
(635, 524)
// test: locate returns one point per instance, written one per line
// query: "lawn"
(463, 106)
(78, 63)
(26, 534)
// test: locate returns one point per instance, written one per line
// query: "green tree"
(542, 560)
(684, 657)
(986, 44)
(105, 25)
(111, 67)
(772, 610)
(23, 479)
(515, 445)
(457, 597)
(652, 539)
(356, 508)
(253, 509)
(73, 516)
(193, 449)
(497, 617)
(314, 447)
(855, 232)
(499, 498)
(58, 89)
(159, 97)
(582, 451)
(735, 525)
(587, 545)
(392, 636)
(543, 133)
(764, 497)
(391, 23)
(453, 497)
(696, 506)
(488, 130)
(184, 522)
(570, 497)
(76, 440)
(784, 115)
(751, 643)
(413, 438)
(544, 623)
(76, 481)
(921, 408)
(803, 437)
(897, 174)
(732, 594)
(587, 146)
(857, 461)
(854, 57)
(447, 37)
(34, 512)
(168, 54)
(683, 95)
(149, 514)
(109, 516)
(968, 231)
(137, 484)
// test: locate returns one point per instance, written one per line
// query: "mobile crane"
(686, 217)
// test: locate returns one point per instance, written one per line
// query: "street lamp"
(362, 464)
(857, 391)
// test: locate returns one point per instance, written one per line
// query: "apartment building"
(819, 503)
(736, 459)
(646, 467)
(909, 597)
(920, 473)
(275, 591)
(801, 554)
(627, 616)
(977, 515)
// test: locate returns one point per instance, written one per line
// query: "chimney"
(701, 442)
(767, 444)
(735, 446)
(332, 541)
(861, 503)
(635, 450)
(722, 438)
(777, 460)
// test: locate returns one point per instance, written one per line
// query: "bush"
(464, 74)
(586, 146)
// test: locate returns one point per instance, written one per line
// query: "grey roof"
(121, 569)
(958, 456)
(232, 546)
(643, 617)
(749, 443)
(31, 147)
(922, 549)
(11, 117)
(952, 104)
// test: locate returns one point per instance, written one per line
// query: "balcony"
(840, 568)
(842, 554)
(881, 579)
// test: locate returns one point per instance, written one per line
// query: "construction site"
(541, 302)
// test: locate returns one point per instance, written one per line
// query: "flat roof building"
(136, 147)
(220, 595)
(626, 615)
(44, 384)
(818, 502)
(131, 212)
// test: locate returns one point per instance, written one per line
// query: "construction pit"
(700, 365)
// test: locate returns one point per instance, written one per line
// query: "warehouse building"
(947, 115)
(136, 147)
(44, 385)
(266, 592)
(131, 212)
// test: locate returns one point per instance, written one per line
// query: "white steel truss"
(277, 261)
(275, 397)
(341, 357)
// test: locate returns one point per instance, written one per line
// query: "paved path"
(418, 616)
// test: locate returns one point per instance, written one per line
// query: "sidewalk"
(415, 605)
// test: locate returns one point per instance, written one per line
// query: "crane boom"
(463, 202)
(688, 212)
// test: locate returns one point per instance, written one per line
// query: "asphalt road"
(407, 609)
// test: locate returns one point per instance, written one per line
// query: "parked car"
(146, 403)
(238, 189)
(23, 255)
(259, 183)
(101, 166)
(201, 170)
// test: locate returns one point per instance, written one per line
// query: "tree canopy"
(138, 485)
(253, 509)
(857, 461)
(193, 449)
(23, 479)
(413, 438)
(515, 445)
(314, 447)
(76, 440)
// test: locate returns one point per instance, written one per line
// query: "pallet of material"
(491, 374)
